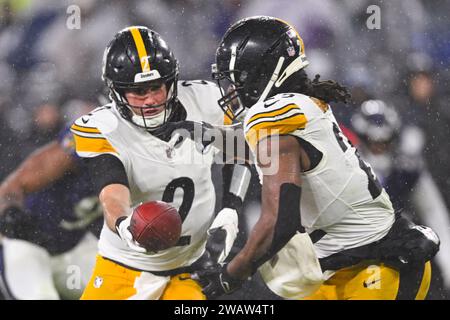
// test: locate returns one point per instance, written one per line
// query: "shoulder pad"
(89, 139)
(200, 99)
(198, 87)
(275, 116)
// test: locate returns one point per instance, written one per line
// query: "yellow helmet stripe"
(142, 52)
(302, 45)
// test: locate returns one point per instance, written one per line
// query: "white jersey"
(157, 170)
(341, 194)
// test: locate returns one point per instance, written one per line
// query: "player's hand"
(222, 234)
(122, 228)
(216, 281)
(16, 223)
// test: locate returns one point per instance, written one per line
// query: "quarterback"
(133, 157)
(327, 228)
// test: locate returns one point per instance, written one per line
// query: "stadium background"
(50, 73)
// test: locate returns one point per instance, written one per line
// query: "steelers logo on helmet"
(138, 62)
(255, 57)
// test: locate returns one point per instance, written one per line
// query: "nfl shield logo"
(291, 51)
(98, 282)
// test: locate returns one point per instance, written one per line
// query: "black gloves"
(216, 281)
(16, 223)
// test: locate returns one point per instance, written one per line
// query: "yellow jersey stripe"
(296, 118)
(277, 127)
(94, 145)
(273, 113)
(84, 129)
(142, 52)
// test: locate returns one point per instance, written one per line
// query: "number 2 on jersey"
(188, 187)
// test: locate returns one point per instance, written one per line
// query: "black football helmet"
(136, 59)
(256, 55)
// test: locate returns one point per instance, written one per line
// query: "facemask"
(151, 121)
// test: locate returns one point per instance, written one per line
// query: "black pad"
(106, 169)
(288, 221)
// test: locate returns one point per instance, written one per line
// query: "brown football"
(156, 225)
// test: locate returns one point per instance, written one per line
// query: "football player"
(327, 228)
(50, 219)
(395, 151)
(134, 157)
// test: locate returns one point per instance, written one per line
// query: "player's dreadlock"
(328, 90)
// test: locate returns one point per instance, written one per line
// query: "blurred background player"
(395, 152)
(50, 220)
(134, 157)
(313, 180)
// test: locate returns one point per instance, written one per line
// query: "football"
(155, 225)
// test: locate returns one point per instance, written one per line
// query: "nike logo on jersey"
(266, 105)
(85, 120)
(368, 284)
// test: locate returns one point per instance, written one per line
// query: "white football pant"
(30, 273)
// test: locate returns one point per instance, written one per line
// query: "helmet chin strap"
(272, 80)
(299, 63)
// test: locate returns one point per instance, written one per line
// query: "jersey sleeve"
(265, 120)
(89, 141)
